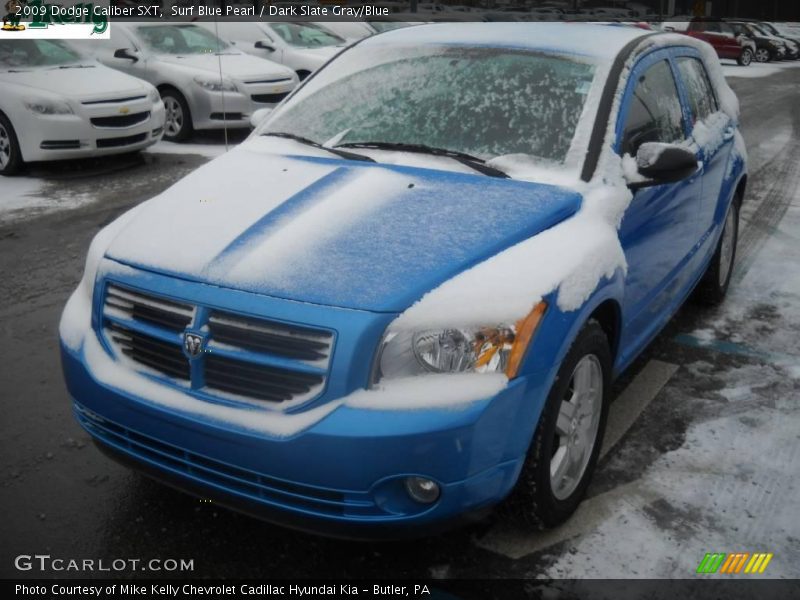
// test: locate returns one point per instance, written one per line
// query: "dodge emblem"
(192, 344)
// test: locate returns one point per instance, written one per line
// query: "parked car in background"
(792, 41)
(349, 31)
(302, 47)
(57, 104)
(727, 42)
(204, 82)
(396, 303)
(768, 47)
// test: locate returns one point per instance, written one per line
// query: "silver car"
(204, 82)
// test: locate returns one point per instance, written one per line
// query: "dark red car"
(722, 37)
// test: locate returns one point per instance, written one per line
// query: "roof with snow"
(585, 39)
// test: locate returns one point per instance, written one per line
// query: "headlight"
(48, 107)
(216, 85)
(154, 96)
(495, 349)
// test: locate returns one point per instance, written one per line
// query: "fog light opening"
(422, 490)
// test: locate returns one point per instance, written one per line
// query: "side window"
(701, 95)
(654, 113)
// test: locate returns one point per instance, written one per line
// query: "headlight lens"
(216, 85)
(496, 349)
(48, 107)
(154, 96)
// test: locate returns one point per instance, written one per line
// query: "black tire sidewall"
(15, 161)
(534, 487)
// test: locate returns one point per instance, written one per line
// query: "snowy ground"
(704, 435)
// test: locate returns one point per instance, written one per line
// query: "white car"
(302, 47)
(57, 104)
(184, 62)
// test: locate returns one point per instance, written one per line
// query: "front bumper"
(59, 137)
(215, 110)
(341, 473)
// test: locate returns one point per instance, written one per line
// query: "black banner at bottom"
(481, 589)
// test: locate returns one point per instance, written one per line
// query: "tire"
(715, 282)
(763, 55)
(543, 500)
(746, 58)
(178, 118)
(11, 161)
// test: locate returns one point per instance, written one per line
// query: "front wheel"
(763, 55)
(746, 57)
(714, 286)
(567, 441)
(10, 154)
(178, 119)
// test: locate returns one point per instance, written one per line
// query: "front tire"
(567, 442)
(763, 55)
(178, 118)
(715, 282)
(746, 58)
(10, 154)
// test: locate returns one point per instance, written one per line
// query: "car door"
(659, 231)
(715, 136)
(120, 38)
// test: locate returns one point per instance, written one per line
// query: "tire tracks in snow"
(775, 184)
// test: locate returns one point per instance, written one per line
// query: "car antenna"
(221, 86)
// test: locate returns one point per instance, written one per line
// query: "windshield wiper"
(312, 143)
(478, 164)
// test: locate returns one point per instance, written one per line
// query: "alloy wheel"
(762, 55)
(5, 147)
(576, 427)
(174, 118)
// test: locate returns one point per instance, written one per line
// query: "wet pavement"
(707, 465)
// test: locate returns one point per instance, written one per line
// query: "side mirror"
(265, 46)
(259, 116)
(660, 163)
(126, 53)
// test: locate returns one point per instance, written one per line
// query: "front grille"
(269, 337)
(121, 120)
(121, 141)
(244, 357)
(218, 116)
(150, 351)
(160, 312)
(269, 98)
(258, 81)
(113, 100)
(257, 381)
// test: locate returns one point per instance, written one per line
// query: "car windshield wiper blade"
(74, 67)
(478, 164)
(312, 143)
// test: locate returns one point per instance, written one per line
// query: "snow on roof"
(600, 41)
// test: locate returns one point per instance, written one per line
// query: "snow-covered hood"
(333, 232)
(234, 64)
(95, 81)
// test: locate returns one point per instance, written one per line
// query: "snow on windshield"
(180, 39)
(36, 53)
(482, 101)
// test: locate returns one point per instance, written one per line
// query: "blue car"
(403, 299)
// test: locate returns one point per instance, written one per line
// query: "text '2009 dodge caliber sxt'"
(402, 300)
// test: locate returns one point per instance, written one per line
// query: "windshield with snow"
(180, 39)
(485, 102)
(36, 53)
(306, 35)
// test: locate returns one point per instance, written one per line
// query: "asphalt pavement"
(704, 429)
